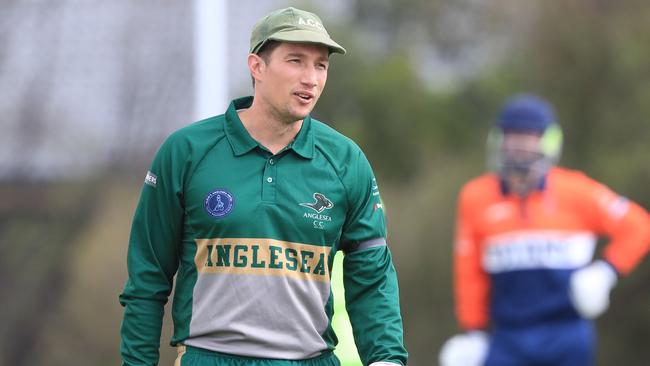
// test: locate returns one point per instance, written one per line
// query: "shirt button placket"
(269, 180)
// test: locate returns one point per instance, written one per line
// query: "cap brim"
(305, 36)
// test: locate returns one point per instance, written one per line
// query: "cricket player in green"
(247, 209)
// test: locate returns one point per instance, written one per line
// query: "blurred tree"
(591, 63)
(383, 108)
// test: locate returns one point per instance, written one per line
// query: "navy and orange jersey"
(513, 256)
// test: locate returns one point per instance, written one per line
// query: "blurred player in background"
(527, 285)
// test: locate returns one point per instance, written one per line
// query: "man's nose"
(310, 77)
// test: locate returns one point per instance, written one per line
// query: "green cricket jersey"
(251, 237)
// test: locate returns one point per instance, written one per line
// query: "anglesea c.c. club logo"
(219, 203)
(322, 203)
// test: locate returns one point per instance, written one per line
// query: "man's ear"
(256, 66)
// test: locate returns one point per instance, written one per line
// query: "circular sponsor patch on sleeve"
(219, 203)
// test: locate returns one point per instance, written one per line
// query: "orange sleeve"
(625, 223)
(471, 283)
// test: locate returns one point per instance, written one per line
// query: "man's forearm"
(372, 298)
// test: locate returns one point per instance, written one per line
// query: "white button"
(271, 161)
(269, 179)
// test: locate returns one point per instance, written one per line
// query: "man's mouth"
(304, 96)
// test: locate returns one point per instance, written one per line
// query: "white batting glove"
(384, 363)
(590, 287)
(467, 349)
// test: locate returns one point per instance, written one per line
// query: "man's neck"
(267, 129)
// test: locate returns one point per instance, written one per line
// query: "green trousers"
(192, 356)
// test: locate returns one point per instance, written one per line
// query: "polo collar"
(303, 144)
(242, 142)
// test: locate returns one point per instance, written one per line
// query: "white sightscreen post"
(210, 40)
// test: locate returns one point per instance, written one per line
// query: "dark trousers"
(565, 343)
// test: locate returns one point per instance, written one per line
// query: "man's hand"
(467, 349)
(590, 287)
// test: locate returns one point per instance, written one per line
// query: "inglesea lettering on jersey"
(265, 257)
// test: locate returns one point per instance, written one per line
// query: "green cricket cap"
(292, 25)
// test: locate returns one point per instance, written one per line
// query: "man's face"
(523, 163)
(293, 80)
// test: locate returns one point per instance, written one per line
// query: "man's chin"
(300, 114)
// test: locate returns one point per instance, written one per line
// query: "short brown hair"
(267, 48)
